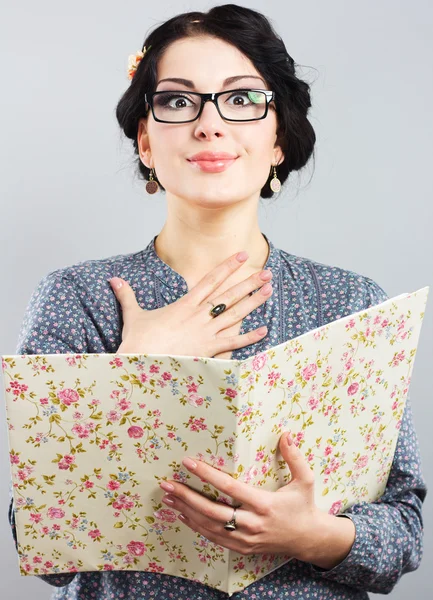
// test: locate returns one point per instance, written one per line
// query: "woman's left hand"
(284, 521)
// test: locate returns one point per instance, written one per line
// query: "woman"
(191, 292)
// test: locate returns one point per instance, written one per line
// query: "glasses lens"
(239, 105)
(176, 106)
(242, 105)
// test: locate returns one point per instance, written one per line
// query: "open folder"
(91, 436)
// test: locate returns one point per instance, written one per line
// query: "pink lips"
(212, 162)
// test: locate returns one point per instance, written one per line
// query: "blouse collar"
(172, 279)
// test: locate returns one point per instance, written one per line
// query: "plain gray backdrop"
(69, 192)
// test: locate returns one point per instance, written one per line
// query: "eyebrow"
(190, 84)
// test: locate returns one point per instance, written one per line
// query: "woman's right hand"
(185, 326)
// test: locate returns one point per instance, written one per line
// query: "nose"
(210, 107)
(210, 121)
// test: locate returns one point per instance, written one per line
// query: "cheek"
(255, 142)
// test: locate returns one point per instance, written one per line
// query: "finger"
(241, 492)
(240, 309)
(223, 344)
(125, 295)
(299, 467)
(208, 514)
(239, 291)
(219, 539)
(212, 280)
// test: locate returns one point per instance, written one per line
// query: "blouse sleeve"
(54, 322)
(389, 532)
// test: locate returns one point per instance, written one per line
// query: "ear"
(278, 156)
(143, 144)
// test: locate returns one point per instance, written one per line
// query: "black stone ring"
(217, 310)
(231, 525)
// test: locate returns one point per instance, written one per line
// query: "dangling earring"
(152, 186)
(275, 182)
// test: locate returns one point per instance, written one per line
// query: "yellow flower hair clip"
(134, 61)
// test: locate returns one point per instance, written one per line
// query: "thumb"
(124, 294)
(299, 468)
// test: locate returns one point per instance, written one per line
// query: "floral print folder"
(92, 435)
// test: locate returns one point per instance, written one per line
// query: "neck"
(194, 244)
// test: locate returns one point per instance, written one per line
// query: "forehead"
(207, 62)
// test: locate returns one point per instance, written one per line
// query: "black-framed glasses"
(179, 106)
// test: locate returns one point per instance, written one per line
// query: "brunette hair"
(251, 32)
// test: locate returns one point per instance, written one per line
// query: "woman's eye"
(173, 101)
(240, 98)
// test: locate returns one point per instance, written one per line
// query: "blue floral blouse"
(74, 310)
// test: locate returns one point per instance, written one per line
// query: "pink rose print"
(123, 502)
(335, 508)
(66, 462)
(108, 567)
(153, 566)
(361, 462)
(195, 400)
(113, 416)
(117, 362)
(83, 430)
(55, 513)
(135, 432)
(14, 458)
(196, 424)
(231, 393)
(154, 369)
(124, 404)
(259, 361)
(68, 396)
(313, 403)
(397, 359)
(309, 371)
(165, 514)
(94, 533)
(353, 388)
(136, 548)
(35, 517)
(113, 485)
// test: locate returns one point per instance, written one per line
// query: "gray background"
(68, 191)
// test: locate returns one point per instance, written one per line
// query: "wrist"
(328, 540)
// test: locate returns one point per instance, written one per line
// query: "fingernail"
(168, 500)
(266, 288)
(116, 282)
(189, 464)
(265, 274)
(289, 439)
(167, 486)
(242, 256)
(262, 330)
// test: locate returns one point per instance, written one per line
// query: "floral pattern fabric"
(73, 310)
